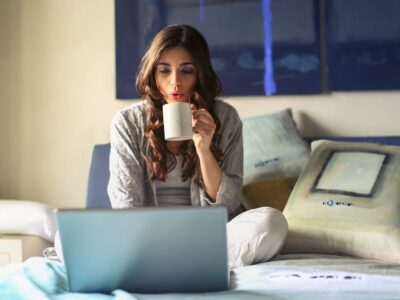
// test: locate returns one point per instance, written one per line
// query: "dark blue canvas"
(262, 47)
(363, 44)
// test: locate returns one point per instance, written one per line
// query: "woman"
(146, 170)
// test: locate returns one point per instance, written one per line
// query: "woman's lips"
(176, 96)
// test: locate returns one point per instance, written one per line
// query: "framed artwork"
(273, 47)
(363, 44)
(258, 47)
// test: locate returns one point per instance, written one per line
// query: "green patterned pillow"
(347, 201)
(272, 147)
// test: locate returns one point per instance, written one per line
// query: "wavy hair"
(207, 87)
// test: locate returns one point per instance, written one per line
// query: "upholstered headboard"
(99, 174)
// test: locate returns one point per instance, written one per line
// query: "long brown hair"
(208, 86)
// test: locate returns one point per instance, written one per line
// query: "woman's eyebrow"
(187, 63)
(182, 64)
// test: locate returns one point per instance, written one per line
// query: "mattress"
(299, 276)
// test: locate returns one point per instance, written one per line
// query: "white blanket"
(286, 277)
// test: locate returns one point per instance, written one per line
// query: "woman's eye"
(164, 71)
(187, 71)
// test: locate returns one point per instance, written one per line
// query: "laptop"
(145, 250)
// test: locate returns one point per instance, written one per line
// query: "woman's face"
(176, 75)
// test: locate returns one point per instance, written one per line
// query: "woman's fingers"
(203, 127)
(203, 130)
(204, 116)
(203, 122)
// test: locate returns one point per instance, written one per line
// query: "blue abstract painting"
(258, 47)
(363, 44)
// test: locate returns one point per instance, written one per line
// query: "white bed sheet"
(286, 277)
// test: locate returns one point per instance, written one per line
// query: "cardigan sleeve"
(126, 184)
(231, 164)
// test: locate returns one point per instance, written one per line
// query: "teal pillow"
(272, 147)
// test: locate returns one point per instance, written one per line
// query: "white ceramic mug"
(177, 121)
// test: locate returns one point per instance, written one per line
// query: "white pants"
(255, 236)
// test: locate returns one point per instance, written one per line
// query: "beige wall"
(9, 124)
(57, 97)
(342, 114)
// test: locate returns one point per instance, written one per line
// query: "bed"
(338, 269)
(295, 276)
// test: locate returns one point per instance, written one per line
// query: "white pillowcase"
(255, 236)
(27, 217)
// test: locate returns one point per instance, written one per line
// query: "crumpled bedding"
(300, 276)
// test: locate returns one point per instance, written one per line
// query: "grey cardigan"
(129, 185)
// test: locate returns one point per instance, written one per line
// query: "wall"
(57, 97)
(8, 94)
(344, 114)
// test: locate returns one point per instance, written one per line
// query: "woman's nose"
(175, 79)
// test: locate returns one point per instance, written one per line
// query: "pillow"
(347, 201)
(27, 217)
(272, 192)
(255, 236)
(272, 147)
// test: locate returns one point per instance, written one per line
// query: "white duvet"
(286, 277)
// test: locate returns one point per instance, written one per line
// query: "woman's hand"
(203, 132)
(203, 129)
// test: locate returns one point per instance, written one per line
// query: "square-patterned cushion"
(347, 201)
(273, 152)
(273, 147)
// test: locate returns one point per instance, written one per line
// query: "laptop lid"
(145, 250)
